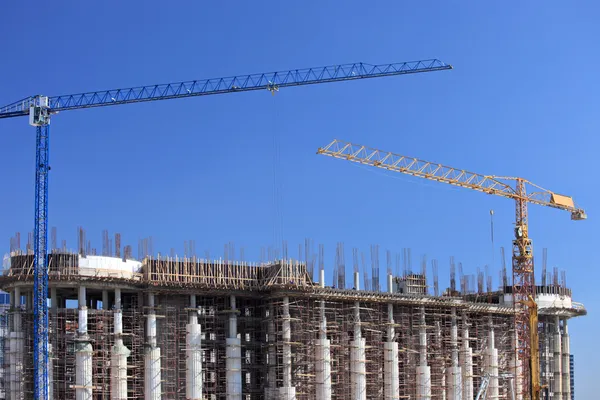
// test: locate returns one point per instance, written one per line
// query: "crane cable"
(278, 221)
(492, 232)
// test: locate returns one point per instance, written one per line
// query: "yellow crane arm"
(500, 186)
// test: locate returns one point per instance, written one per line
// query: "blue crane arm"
(270, 81)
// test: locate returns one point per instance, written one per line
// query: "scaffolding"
(282, 320)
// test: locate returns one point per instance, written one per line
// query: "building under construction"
(190, 328)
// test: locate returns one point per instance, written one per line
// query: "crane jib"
(489, 184)
(271, 81)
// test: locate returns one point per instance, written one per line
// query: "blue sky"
(521, 101)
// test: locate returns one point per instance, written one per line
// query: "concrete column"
(566, 351)
(423, 370)
(29, 301)
(193, 354)
(105, 299)
(517, 368)
(510, 391)
(439, 344)
(454, 373)
(287, 391)
(287, 349)
(51, 328)
(53, 300)
(466, 363)
(16, 300)
(546, 354)
(152, 383)
(271, 387)
(15, 350)
(120, 353)
(50, 372)
(391, 371)
(323, 353)
(83, 352)
(491, 364)
(118, 304)
(557, 342)
(358, 378)
(233, 362)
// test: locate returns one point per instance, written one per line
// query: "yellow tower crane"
(518, 189)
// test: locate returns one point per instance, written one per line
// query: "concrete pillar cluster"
(457, 370)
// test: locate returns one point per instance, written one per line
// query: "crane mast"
(40, 118)
(39, 109)
(523, 287)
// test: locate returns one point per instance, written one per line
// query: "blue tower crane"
(40, 108)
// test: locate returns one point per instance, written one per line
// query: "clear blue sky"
(521, 101)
